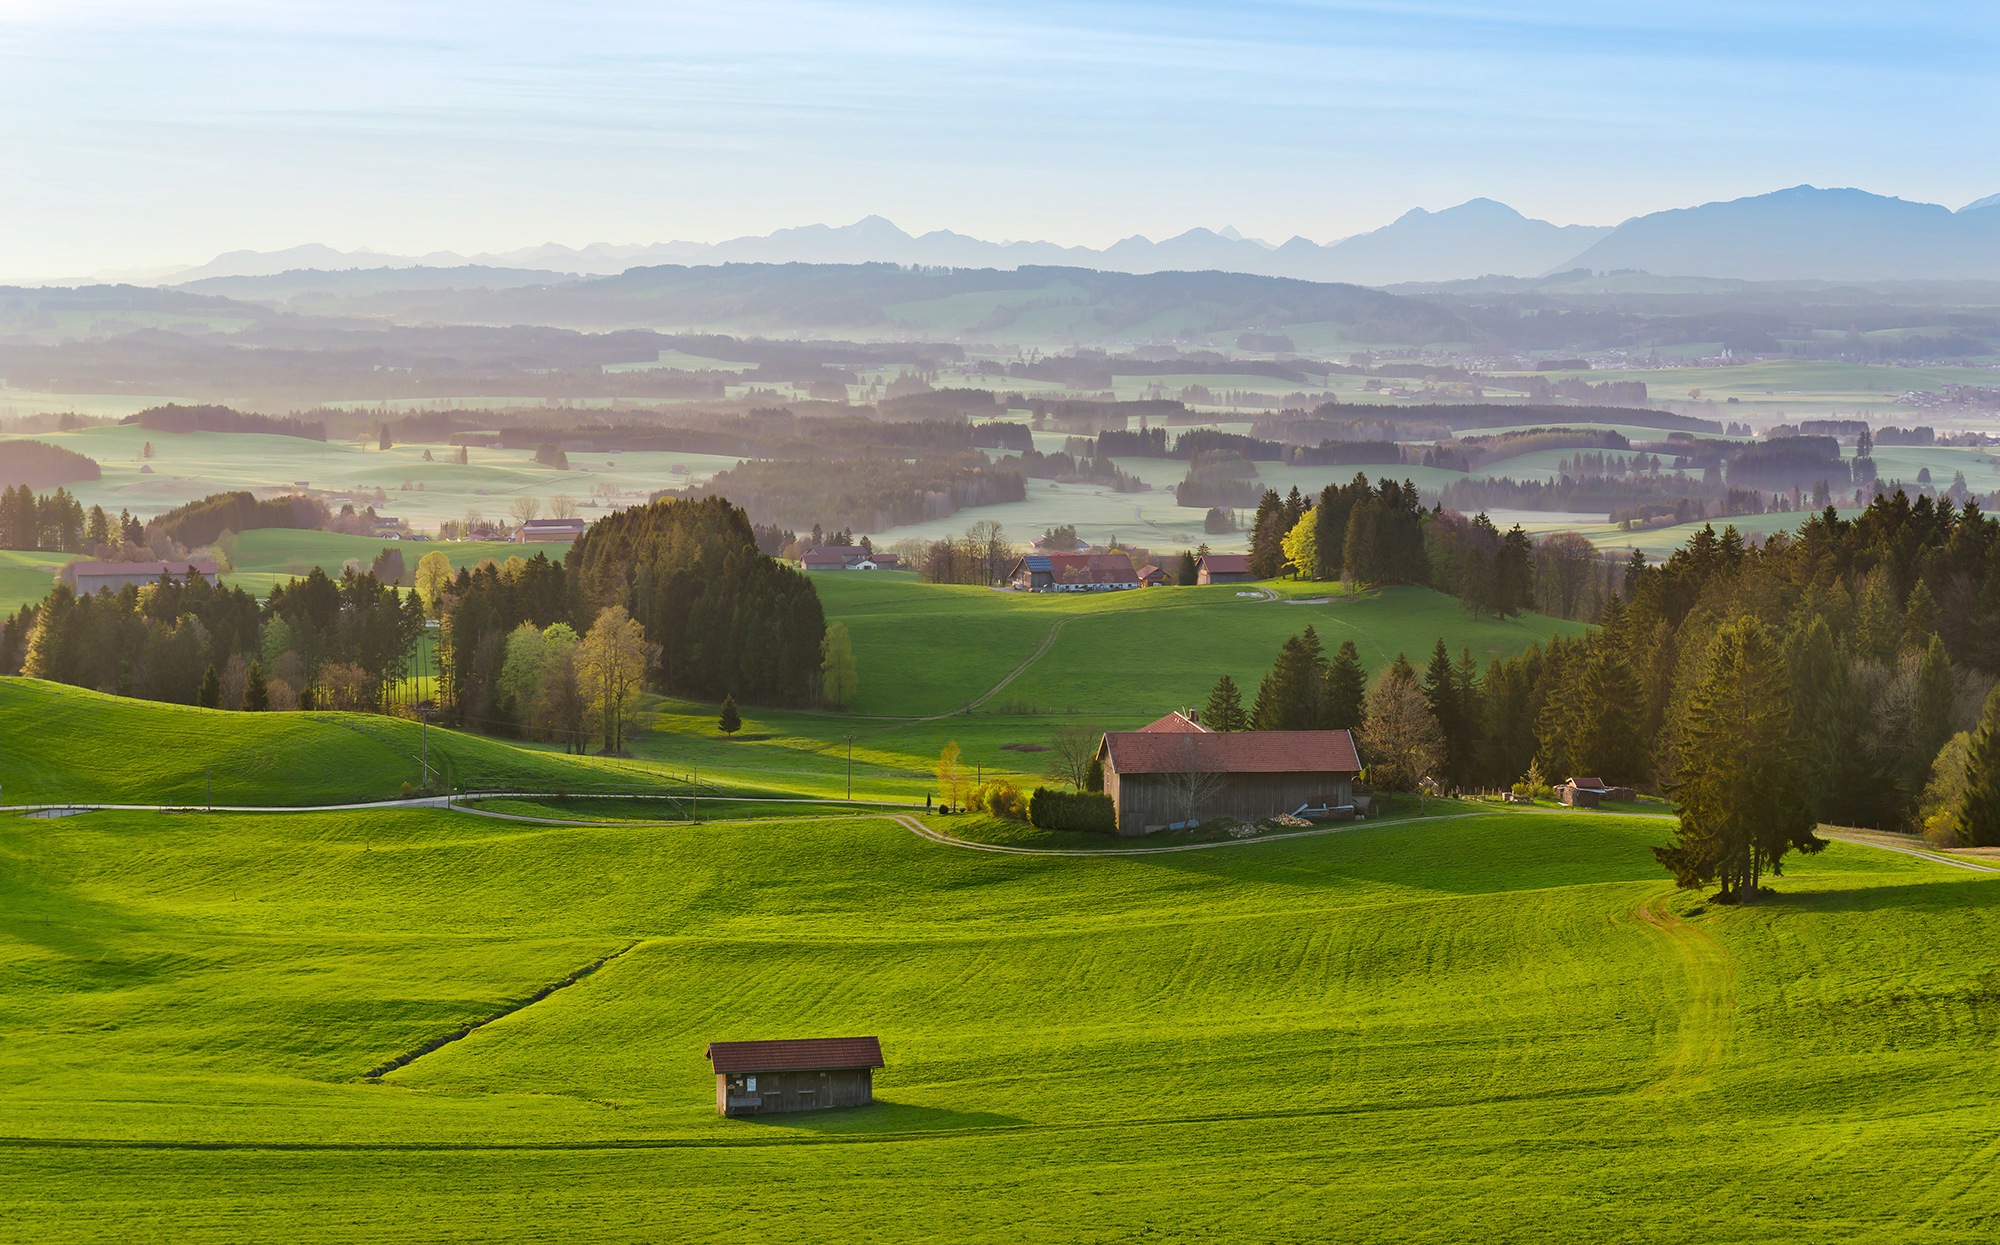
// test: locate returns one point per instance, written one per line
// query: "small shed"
(794, 1074)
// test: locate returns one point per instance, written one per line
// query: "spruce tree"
(1920, 618)
(1612, 745)
(1224, 711)
(256, 692)
(1742, 802)
(730, 722)
(1979, 814)
(210, 691)
(1344, 695)
(1190, 571)
(1267, 533)
(1441, 697)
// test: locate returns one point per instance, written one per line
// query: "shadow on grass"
(883, 1117)
(1941, 894)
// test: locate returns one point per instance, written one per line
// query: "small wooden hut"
(794, 1074)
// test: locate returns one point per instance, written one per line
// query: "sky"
(141, 133)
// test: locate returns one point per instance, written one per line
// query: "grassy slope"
(1118, 660)
(63, 743)
(924, 649)
(1442, 1031)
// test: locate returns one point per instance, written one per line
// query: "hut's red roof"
(1232, 752)
(796, 1055)
(1227, 563)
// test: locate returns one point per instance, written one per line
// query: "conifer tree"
(1742, 804)
(1403, 745)
(1920, 618)
(730, 721)
(210, 691)
(1344, 694)
(1609, 691)
(256, 692)
(1224, 711)
(1190, 571)
(1440, 687)
(1979, 812)
(1267, 533)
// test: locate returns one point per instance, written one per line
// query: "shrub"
(1062, 810)
(1002, 799)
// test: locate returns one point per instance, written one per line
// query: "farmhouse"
(794, 1074)
(1152, 774)
(89, 577)
(847, 558)
(1073, 572)
(1223, 568)
(539, 531)
(1152, 575)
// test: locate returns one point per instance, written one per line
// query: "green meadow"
(187, 466)
(997, 672)
(1478, 1026)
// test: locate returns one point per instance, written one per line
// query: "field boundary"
(409, 1057)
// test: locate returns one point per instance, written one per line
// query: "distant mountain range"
(1803, 233)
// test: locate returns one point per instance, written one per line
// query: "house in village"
(550, 531)
(1153, 575)
(1248, 775)
(90, 577)
(794, 1074)
(1073, 572)
(1223, 568)
(848, 558)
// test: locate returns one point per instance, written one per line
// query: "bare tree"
(1404, 742)
(1071, 752)
(524, 509)
(1192, 782)
(562, 506)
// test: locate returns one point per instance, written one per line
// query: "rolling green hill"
(66, 744)
(1490, 1027)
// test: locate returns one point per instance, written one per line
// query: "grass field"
(1490, 1027)
(924, 653)
(187, 466)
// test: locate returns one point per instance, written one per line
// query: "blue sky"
(138, 133)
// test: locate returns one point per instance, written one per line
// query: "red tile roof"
(796, 1055)
(1092, 568)
(1232, 752)
(1226, 563)
(1174, 723)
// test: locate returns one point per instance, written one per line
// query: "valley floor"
(1501, 1026)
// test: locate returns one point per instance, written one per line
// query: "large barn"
(1152, 774)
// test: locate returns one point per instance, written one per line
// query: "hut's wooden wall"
(793, 1091)
(1144, 800)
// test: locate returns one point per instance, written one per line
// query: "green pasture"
(27, 575)
(188, 466)
(63, 744)
(927, 649)
(1794, 388)
(1488, 1026)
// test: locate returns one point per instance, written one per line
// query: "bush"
(1083, 811)
(1002, 799)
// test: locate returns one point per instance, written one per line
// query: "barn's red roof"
(1174, 723)
(796, 1055)
(1231, 752)
(1226, 563)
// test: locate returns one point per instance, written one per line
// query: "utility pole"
(850, 769)
(697, 793)
(208, 788)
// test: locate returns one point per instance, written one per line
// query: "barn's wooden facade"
(801, 1074)
(1256, 774)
